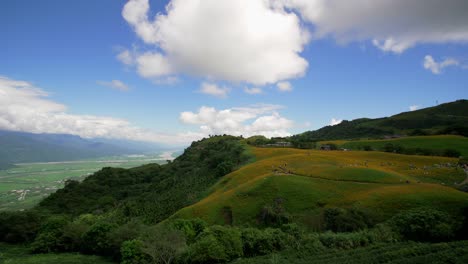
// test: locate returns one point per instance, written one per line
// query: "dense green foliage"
(153, 192)
(449, 118)
(20, 254)
(425, 224)
(408, 253)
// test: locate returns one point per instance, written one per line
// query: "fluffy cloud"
(26, 108)
(214, 90)
(253, 90)
(115, 84)
(335, 121)
(284, 86)
(247, 121)
(248, 41)
(414, 107)
(437, 67)
(393, 25)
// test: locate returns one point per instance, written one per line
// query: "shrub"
(97, 240)
(163, 244)
(132, 253)
(347, 220)
(274, 215)
(215, 244)
(190, 228)
(425, 224)
(50, 236)
(19, 227)
(207, 249)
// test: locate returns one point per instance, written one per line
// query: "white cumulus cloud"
(392, 25)
(284, 86)
(253, 90)
(115, 84)
(248, 41)
(414, 107)
(247, 121)
(214, 90)
(26, 108)
(335, 121)
(437, 67)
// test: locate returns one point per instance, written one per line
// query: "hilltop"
(448, 118)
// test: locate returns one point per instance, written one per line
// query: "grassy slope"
(428, 142)
(315, 179)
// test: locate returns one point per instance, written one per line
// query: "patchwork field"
(306, 181)
(26, 184)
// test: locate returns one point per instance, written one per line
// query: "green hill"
(308, 181)
(448, 118)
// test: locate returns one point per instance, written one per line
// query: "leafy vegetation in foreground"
(406, 252)
(17, 254)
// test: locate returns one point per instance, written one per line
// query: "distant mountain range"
(448, 118)
(17, 147)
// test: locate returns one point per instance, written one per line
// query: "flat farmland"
(24, 185)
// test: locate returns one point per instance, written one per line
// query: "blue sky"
(70, 51)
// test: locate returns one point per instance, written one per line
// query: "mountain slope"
(152, 192)
(448, 118)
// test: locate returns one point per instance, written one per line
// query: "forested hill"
(448, 118)
(151, 192)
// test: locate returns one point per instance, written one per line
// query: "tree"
(163, 244)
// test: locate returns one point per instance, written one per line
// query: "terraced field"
(307, 181)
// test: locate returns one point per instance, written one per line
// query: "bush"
(163, 244)
(425, 224)
(347, 220)
(215, 244)
(19, 227)
(132, 253)
(274, 215)
(207, 249)
(97, 239)
(50, 236)
(190, 228)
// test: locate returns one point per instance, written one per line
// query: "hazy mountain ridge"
(19, 147)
